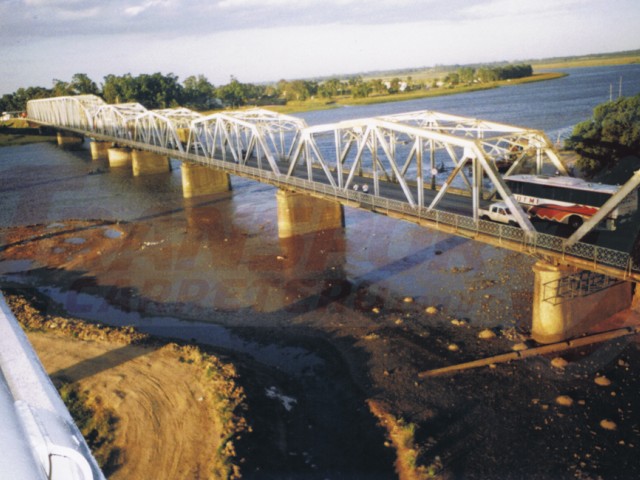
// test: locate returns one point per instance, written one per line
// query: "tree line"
(613, 132)
(468, 75)
(160, 90)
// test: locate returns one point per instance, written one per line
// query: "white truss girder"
(117, 120)
(403, 149)
(76, 111)
(245, 135)
(398, 156)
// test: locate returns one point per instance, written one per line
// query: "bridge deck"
(602, 252)
(385, 153)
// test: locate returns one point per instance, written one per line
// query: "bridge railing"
(529, 242)
(540, 243)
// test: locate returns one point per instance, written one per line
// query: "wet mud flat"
(325, 339)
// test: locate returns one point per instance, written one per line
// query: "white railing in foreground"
(38, 438)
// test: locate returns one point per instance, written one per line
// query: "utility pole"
(620, 88)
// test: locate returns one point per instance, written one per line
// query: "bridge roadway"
(604, 252)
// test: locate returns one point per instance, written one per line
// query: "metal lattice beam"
(399, 157)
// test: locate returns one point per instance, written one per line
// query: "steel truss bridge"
(398, 157)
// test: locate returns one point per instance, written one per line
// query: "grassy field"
(588, 62)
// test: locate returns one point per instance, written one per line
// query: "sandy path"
(165, 426)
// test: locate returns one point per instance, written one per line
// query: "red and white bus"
(568, 200)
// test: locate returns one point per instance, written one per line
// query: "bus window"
(515, 187)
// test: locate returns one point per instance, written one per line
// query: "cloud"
(522, 8)
(49, 18)
(52, 3)
(135, 10)
(312, 4)
(78, 15)
(266, 39)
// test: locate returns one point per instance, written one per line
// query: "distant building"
(9, 115)
(402, 86)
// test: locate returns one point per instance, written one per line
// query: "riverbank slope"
(174, 411)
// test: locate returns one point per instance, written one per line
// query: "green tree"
(611, 134)
(394, 85)
(486, 74)
(297, 89)
(152, 91)
(119, 89)
(452, 78)
(61, 88)
(466, 74)
(378, 86)
(81, 84)
(158, 90)
(17, 101)
(330, 88)
(198, 92)
(254, 94)
(361, 90)
(233, 94)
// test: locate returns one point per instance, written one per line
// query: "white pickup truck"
(498, 212)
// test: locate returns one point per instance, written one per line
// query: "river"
(552, 106)
(214, 270)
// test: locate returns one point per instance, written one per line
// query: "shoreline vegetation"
(297, 96)
(160, 91)
(109, 395)
(587, 61)
(298, 106)
(16, 131)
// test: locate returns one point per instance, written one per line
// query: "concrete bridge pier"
(183, 135)
(99, 149)
(149, 163)
(119, 157)
(299, 214)
(69, 140)
(563, 309)
(200, 180)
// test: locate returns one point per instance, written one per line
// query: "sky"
(267, 40)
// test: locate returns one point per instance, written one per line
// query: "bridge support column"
(183, 135)
(299, 214)
(119, 157)
(635, 302)
(148, 163)
(69, 140)
(200, 180)
(557, 317)
(99, 149)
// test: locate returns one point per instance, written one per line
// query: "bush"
(612, 133)
(96, 423)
